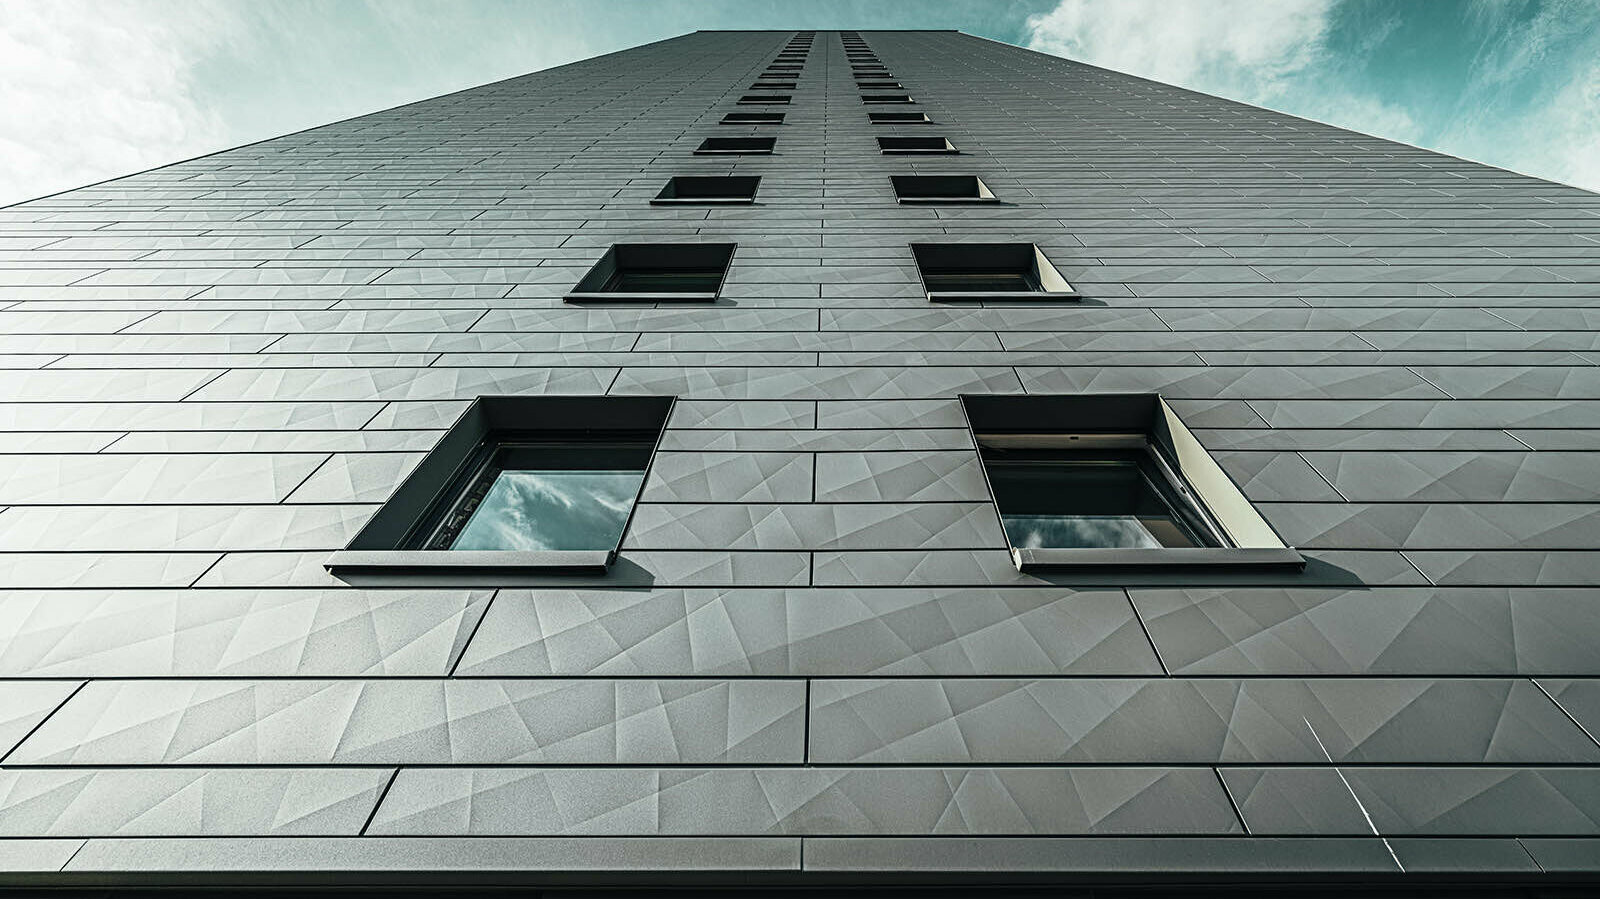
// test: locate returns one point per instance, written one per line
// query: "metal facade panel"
(813, 651)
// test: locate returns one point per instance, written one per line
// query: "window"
(656, 273)
(764, 98)
(879, 85)
(781, 67)
(752, 118)
(774, 86)
(988, 271)
(900, 146)
(886, 98)
(709, 189)
(941, 189)
(714, 146)
(898, 118)
(1112, 479)
(519, 482)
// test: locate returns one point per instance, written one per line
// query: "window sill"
(705, 201)
(945, 296)
(662, 297)
(928, 201)
(1209, 557)
(352, 561)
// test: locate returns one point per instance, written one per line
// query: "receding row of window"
(888, 146)
(695, 272)
(544, 482)
(777, 118)
(725, 189)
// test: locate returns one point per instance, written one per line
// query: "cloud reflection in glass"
(552, 510)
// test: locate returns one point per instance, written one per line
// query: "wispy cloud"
(1525, 95)
(1268, 54)
(93, 89)
(1246, 46)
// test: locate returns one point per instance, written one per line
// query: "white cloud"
(1235, 47)
(91, 90)
(1530, 103)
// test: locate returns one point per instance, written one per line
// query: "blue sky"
(91, 89)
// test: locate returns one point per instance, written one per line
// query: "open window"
(879, 85)
(518, 482)
(941, 189)
(764, 99)
(1112, 480)
(887, 98)
(752, 118)
(656, 273)
(708, 190)
(988, 271)
(916, 146)
(774, 86)
(736, 146)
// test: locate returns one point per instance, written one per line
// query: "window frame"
(673, 185)
(1058, 420)
(708, 146)
(770, 118)
(586, 290)
(949, 149)
(1053, 286)
(378, 546)
(983, 195)
(918, 118)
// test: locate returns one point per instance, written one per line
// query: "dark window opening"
(886, 98)
(897, 118)
(905, 145)
(753, 118)
(975, 271)
(708, 189)
(736, 145)
(879, 86)
(518, 482)
(649, 272)
(764, 98)
(941, 189)
(774, 86)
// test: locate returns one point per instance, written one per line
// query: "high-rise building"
(802, 457)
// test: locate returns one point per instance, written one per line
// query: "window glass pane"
(543, 496)
(1091, 500)
(552, 510)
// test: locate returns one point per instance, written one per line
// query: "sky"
(94, 89)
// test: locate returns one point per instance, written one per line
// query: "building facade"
(813, 657)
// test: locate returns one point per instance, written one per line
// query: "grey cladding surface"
(813, 651)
